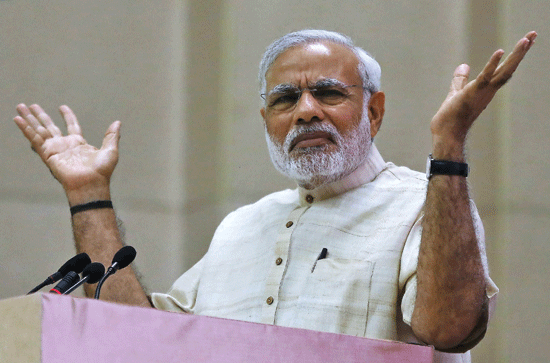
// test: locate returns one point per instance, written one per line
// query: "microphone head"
(76, 264)
(94, 271)
(124, 257)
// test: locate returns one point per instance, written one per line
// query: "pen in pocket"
(321, 256)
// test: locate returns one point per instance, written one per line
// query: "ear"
(376, 111)
(262, 112)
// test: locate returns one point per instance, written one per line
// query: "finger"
(22, 109)
(505, 71)
(30, 133)
(112, 136)
(73, 127)
(43, 117)
(487, 74)
(531, 36)
(32, 121)
(460, 77)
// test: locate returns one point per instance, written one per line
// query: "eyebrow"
(283, 87)
(325, 82)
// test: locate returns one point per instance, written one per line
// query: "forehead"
(305, 64)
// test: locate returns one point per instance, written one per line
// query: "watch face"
(428, 166)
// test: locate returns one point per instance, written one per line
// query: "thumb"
(460, 79)
(112, 136)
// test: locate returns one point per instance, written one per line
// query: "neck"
(318, 180)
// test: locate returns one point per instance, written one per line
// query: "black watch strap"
(444, 167)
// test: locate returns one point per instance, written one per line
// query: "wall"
(107, 61)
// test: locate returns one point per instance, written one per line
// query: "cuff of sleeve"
(167, 303)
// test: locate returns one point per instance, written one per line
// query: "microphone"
(70, 279)
(91, 274)
(122, 258)
(77, 264)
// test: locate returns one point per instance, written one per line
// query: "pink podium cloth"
(83, 330)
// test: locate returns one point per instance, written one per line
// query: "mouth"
(311, 139)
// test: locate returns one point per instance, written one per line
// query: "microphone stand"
(110, 271)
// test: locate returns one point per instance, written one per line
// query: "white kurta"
(262, 265)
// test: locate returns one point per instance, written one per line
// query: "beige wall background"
(181, 76)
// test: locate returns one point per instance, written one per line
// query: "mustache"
(300, 131)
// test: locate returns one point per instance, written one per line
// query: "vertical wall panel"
(107, 61)
(528, 194)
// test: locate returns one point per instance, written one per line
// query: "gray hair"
(368, 68)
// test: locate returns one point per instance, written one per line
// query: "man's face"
(316, 136)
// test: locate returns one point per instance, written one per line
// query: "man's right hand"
(85, 173)
(83, 170)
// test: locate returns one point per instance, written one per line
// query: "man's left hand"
(466, 101)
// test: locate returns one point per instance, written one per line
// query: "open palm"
(466, 100)
(72, 161)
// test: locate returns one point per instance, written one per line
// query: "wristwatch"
(444, 167)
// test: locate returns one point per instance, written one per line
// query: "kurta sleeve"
(183, 294)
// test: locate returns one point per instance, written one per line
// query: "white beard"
(313, 166)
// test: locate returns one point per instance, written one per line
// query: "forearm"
(96, 233)
(451, 283)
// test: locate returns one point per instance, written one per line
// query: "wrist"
(98, 204)
(445, 167)
(88, 194)
(448, 149)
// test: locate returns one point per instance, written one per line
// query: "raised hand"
(83, 170)
(466, 101)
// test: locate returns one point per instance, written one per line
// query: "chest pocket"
(335, 297)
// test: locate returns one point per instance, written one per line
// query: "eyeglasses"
(284, 97)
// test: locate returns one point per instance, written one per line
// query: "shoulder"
(397, 177)
(248, 224)
(269, 205)
(394, 188)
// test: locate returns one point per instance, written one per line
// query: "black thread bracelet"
(98, 204)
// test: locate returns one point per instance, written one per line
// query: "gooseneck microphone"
(91, 274)
(66, 282)
(122, 258)
(76, 264)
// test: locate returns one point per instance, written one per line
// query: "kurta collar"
(363, 174)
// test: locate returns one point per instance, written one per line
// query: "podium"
(51, 328)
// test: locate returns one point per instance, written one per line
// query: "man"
(362, 247)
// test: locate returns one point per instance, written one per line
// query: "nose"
(307, 108)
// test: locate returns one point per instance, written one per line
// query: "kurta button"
(309, 198)
(289, 224)
(279, 261)
(269, 300)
